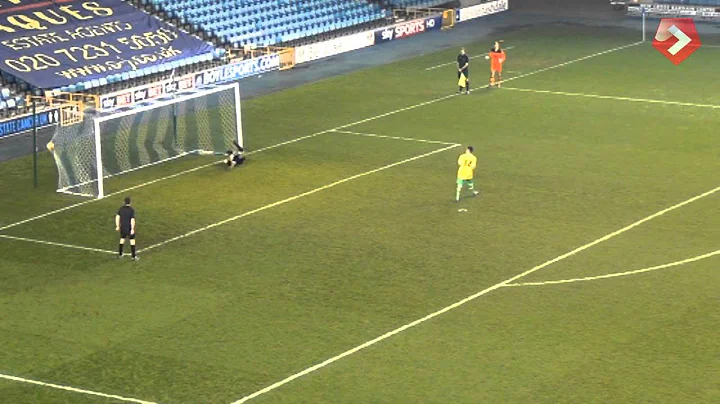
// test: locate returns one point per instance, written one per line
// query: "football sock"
(120, 249)
(132, 249)
(457, 193)
(492, 80)
(467, 85)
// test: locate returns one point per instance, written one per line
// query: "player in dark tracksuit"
(235, 158)
(463, 62)
(125, 224)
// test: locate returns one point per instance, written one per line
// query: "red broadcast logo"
(677, 38)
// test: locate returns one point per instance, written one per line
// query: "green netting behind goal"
(103, 147)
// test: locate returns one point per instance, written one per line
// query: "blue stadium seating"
(10, 102)
(269, 22)
(706, 3)
(416, 3)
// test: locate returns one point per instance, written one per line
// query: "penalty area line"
(74, 390)
(613, 98)
(409, 139)
(298, 196)
(468, 299)
(618, 274)
(54, 244)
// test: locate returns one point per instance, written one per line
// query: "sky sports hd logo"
(677, 39)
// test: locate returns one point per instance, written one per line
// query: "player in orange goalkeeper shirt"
(497, 58)
(467, 163)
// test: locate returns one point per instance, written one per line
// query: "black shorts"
(125, 233)
(238, 159)
(466, 72)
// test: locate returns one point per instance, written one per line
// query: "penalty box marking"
(618, 274)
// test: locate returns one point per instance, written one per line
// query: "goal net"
(101, 147)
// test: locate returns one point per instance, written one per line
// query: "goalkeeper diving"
(467, 163)
(234, 157)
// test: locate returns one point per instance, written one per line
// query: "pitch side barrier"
(218, 75)
(418, 21)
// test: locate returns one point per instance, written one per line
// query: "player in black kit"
(463, 62)
(125, 224)
(236, 157)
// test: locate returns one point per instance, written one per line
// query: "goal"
(108, 145)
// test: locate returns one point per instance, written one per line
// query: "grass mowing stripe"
(613, 97)
(618, 274)
(470, 298)
(292, 198)
(73, 389)
(52, 243)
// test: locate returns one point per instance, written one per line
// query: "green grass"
(220, 314)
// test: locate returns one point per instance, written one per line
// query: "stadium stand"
(268, 22)
(12, 95)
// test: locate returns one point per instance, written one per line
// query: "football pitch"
(336, 267)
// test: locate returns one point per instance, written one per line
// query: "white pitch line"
(617, 274)
(468, 299)
(52, 243)
(74, 390)
(471, 57)
(410, 139)
(292, 198)
(570, 62)
(614, 98)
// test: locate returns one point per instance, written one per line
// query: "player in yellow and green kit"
(467, 162)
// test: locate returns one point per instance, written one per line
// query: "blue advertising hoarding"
(63, 42)
(238, 70)
(217, 75)
(24, 123)
(407, 29)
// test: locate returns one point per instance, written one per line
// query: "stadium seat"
(269, 22)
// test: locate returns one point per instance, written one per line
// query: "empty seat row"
(269, 22)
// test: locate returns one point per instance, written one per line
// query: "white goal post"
(205, 121)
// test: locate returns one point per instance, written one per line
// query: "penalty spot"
(462, 210)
